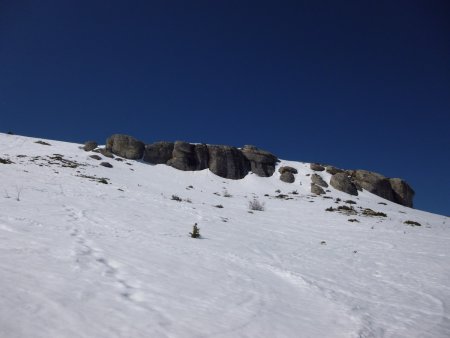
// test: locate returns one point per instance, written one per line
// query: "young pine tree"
(195, 231)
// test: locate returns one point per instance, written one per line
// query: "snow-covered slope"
(79, 258)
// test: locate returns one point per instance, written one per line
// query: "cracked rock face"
(125, 146)
(318, 180)
(373, 182)
(227, 162)
(342, 182)
(158, 152)
(402, 192)
(262, 162)
(189, 157)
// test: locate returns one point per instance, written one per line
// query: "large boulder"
(158, 152)
(318, 180)
(262, 162)
(342, 182)
(287, 177)
(373, 182)
(286, 168)
(189, 157)
(402, 191)
(316, 167)
(315, 189)
(90, 145)
(125, 146)
(227, 162)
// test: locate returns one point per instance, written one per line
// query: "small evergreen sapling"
(195, 231)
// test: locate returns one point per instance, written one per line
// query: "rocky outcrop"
(90, 145)
(228, 162)
(373, 182)
(201, 156)
(333, 170)
(284, 169)
(392, 189)
(189, 157)
(125, 146)
(402, 192)
(158, 152)
(318, 180)
(262, 163)
(342, 182)
(315, 189)
(316, 167)
(287, 177)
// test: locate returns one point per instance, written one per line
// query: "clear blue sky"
(357, 84)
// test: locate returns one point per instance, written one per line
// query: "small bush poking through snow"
(226, 193)
(370, 212)
(256, 205)
(195, 231)
(176, 198)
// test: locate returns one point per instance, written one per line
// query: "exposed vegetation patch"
(413, 223)
(256, 205)
(370, 212)
(65, 163)
(5, 161)
(43, 143)
(103, 180)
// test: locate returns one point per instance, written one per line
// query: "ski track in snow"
(83, 259)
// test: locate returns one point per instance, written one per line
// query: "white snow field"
(79, 258)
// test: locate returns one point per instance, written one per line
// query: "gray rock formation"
(262, 162)
(158, 152)
(403, 193)
(95, 157)
(318, 180)
(315, 189)
(189, 157)
(342, 182)
(227, 162)
(125, 146)
(287, 177)
(316, 167)
(333, 170)
(201, 156)
(373, 182)
(106, 164)
(284, 169)
(90, 145)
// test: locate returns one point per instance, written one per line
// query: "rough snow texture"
(79, 258)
